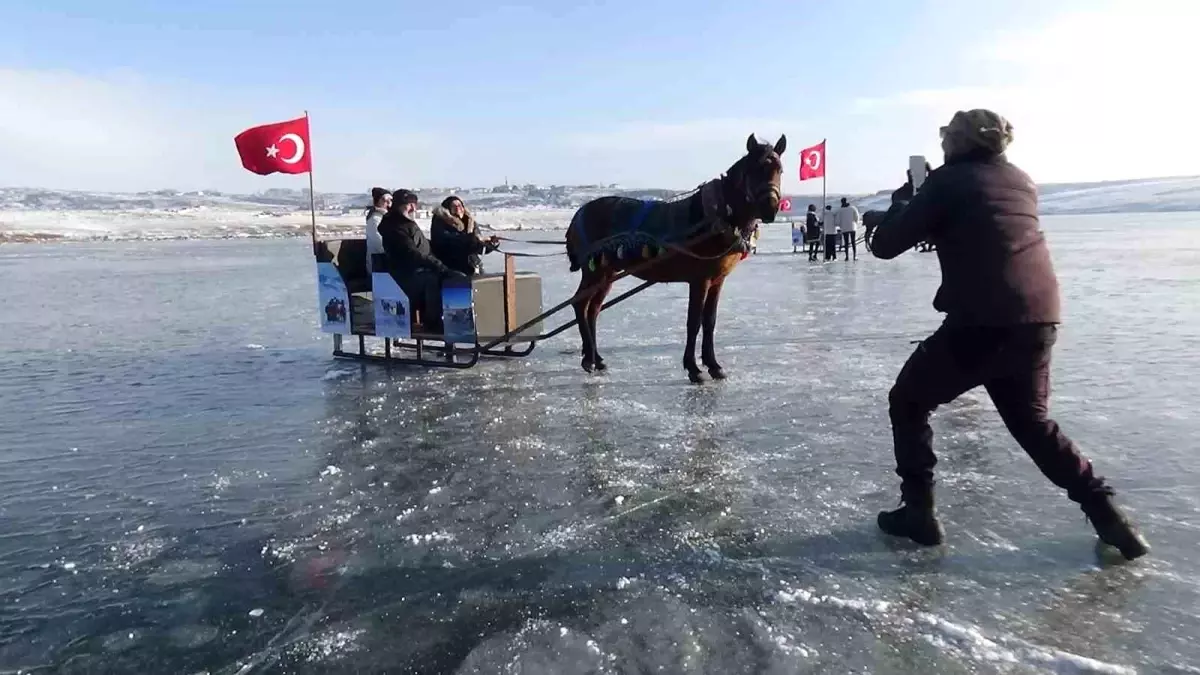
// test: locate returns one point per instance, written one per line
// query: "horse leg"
(581, 320)
(708, 353)
(697, 292)
(595, 305)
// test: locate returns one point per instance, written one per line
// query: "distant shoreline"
(44, 216)
(353, 230)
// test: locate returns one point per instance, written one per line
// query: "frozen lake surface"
(190, 483)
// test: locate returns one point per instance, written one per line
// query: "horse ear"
(751, 143)
(781, 145)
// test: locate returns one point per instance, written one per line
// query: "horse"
(871, 220)
(698, 241)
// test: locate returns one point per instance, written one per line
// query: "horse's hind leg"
(708, 352)
(588, 348)
(594, 306)
(697, 292)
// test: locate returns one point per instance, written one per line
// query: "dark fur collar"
(466, 224)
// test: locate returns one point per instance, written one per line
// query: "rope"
(562, 242)
(696, 256)
(548, 242)
(530, 255)
(587, 293)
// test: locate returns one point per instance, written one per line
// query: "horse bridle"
(752, 198)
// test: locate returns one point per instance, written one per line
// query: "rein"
(716, 217)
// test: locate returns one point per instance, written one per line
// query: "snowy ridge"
(31, 215)
(1145, 195)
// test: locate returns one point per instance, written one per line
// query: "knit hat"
(378, 193)
(978, 128)
(403, 196)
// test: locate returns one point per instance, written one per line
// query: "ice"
(628, 522)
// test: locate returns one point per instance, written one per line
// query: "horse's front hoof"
(717, 373)
(587, 364)
(695, 377)
(601, 365)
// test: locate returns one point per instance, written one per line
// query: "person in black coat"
(812, 231)
(411, 262)
(456, 240)
(1000, 295)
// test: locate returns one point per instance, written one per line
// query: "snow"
(46, 215)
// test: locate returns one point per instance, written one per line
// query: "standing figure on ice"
(1001, 299)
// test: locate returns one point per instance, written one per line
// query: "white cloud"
(660, 136)
(1093, 95)
(118, 132)
(679, 154)
(952, 98)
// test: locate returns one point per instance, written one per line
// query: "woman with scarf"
(455, 239)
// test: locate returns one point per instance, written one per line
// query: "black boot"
(1113, 527)
(914, 519)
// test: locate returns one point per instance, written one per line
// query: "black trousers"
(1013, 364)
(831, 246)
(849, 241)
(424, 290)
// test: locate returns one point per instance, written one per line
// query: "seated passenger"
(411, 261)
(455, 239)
(381, 201)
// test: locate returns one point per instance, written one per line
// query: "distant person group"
(423, 265)
(823, 231)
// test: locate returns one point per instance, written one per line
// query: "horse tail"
(572, 233)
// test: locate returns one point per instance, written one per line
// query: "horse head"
(752, 185)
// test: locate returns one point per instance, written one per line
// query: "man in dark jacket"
(411, 261)
(1001, 299)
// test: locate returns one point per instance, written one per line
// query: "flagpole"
(312, 194)
(825, 161)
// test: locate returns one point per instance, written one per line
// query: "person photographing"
(1000, 297)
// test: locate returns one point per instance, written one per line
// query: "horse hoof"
(587, 365)
(717, 373)
(695, 377)
(601, 366)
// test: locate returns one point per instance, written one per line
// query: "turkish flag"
(812, 161)
(281, 147)
(785, 204)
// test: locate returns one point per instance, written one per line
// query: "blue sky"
(142, 95)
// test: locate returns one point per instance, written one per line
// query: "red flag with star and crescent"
(280, 147)
(812, 161)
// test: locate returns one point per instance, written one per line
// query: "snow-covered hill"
(1125, 196)
(47, 215)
